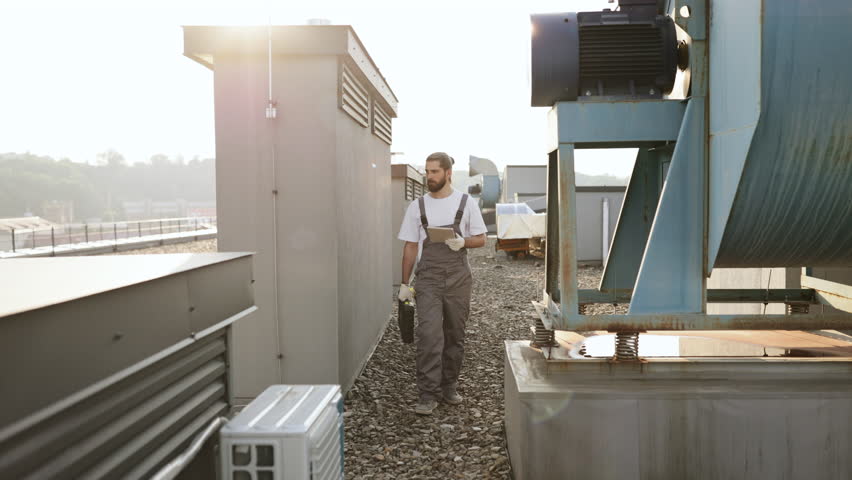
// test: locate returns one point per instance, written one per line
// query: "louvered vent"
(326, 461)
(130, 428)
(621, 51)
(621, 54)
(381, 124)
(354, 98)
(413, 189)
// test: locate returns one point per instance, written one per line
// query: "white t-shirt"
(441, 212)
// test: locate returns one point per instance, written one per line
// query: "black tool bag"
(405, 317)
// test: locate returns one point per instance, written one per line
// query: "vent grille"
(381, 124)
(130, 428)
(621, 51)
(413, 189)
(354, 98)
(325, 449)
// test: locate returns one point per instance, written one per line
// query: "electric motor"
(631, 52)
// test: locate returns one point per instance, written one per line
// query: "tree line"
(28, 181)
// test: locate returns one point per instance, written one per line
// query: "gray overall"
(442, 283)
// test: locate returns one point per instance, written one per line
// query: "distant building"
(58, 211)
(150, 209)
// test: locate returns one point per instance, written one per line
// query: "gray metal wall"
(323, 262)
(528, 181)
(364, 246)
(671, 419)
(590, 221)
(763, 278)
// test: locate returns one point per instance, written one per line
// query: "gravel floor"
(385, 439)
(201, 246)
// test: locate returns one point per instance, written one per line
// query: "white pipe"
(605, 231)
(173, 468)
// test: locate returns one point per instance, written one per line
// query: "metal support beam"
(671, 278)
(551, 254)
(699, 321)
(616, 124)
(635, 220)
(835, 294)
(567, 231)
(719, 295)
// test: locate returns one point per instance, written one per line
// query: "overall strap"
(423, 220)
(460, 211)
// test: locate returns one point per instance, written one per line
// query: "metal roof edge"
(222, 258)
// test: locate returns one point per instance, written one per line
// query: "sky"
(78, 78)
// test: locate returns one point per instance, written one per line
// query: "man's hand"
(455, 244)
(406, 293)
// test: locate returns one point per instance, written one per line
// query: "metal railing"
(76, 233)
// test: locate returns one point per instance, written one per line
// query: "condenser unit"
(289, 432)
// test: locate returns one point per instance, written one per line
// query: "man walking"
(443, 280)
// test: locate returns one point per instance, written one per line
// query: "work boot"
(452, 397)
(425, 406)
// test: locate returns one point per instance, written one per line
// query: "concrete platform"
(696, 417)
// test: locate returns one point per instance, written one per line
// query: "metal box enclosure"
(696, 418)
(523, 182)
(110, 366)
(305, 182)
(289, 432)
(407, 184)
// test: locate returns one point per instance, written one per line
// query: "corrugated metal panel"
(381, 124)
(129, 428)
(354, 98)
(792, 206)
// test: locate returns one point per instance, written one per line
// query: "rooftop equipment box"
(289, 432)
(303, 133)
(407, 184)
(524, 182)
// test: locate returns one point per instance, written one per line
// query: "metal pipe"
(173, 468)
(605, 231)
(52, 240)
(86, 232)
(13, 239)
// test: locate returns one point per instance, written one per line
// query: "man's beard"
(436, 186)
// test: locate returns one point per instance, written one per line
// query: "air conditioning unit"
(289, 432)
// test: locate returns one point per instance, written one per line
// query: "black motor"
(631, 52)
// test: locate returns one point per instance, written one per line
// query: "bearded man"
(442, 282)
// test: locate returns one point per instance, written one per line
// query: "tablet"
(439, 234)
